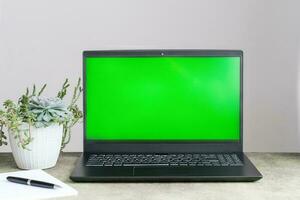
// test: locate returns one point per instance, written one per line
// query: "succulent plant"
(33, 110)
(48, 111)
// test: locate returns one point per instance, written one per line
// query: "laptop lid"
(163, 101)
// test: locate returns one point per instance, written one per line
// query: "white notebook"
(14, 191)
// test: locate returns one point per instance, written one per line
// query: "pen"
(36, 183)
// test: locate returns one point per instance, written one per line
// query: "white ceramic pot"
(43, 150)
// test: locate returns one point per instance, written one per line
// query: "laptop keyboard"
(168, 160)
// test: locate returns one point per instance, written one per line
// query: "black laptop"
(163, 115)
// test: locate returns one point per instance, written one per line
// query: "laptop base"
(245, 173)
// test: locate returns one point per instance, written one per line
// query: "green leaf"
(27, 91)
(41, 91)
(33, 90)
(47, 117)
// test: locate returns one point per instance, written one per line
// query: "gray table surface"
(281, 181)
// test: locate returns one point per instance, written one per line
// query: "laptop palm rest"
(186, 171)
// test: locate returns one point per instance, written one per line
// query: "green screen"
(162, 98)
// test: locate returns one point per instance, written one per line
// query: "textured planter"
(43, 150)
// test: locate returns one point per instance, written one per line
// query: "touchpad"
(109, 171)
(167, 171)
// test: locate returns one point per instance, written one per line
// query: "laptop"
(163, 115)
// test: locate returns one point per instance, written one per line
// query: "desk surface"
(281, 181)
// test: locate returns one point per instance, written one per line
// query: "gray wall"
(42, 41)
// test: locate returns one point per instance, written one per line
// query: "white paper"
(14, 191)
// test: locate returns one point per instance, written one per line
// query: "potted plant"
(39, 127)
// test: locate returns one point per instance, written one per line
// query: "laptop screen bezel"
(163, 146)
